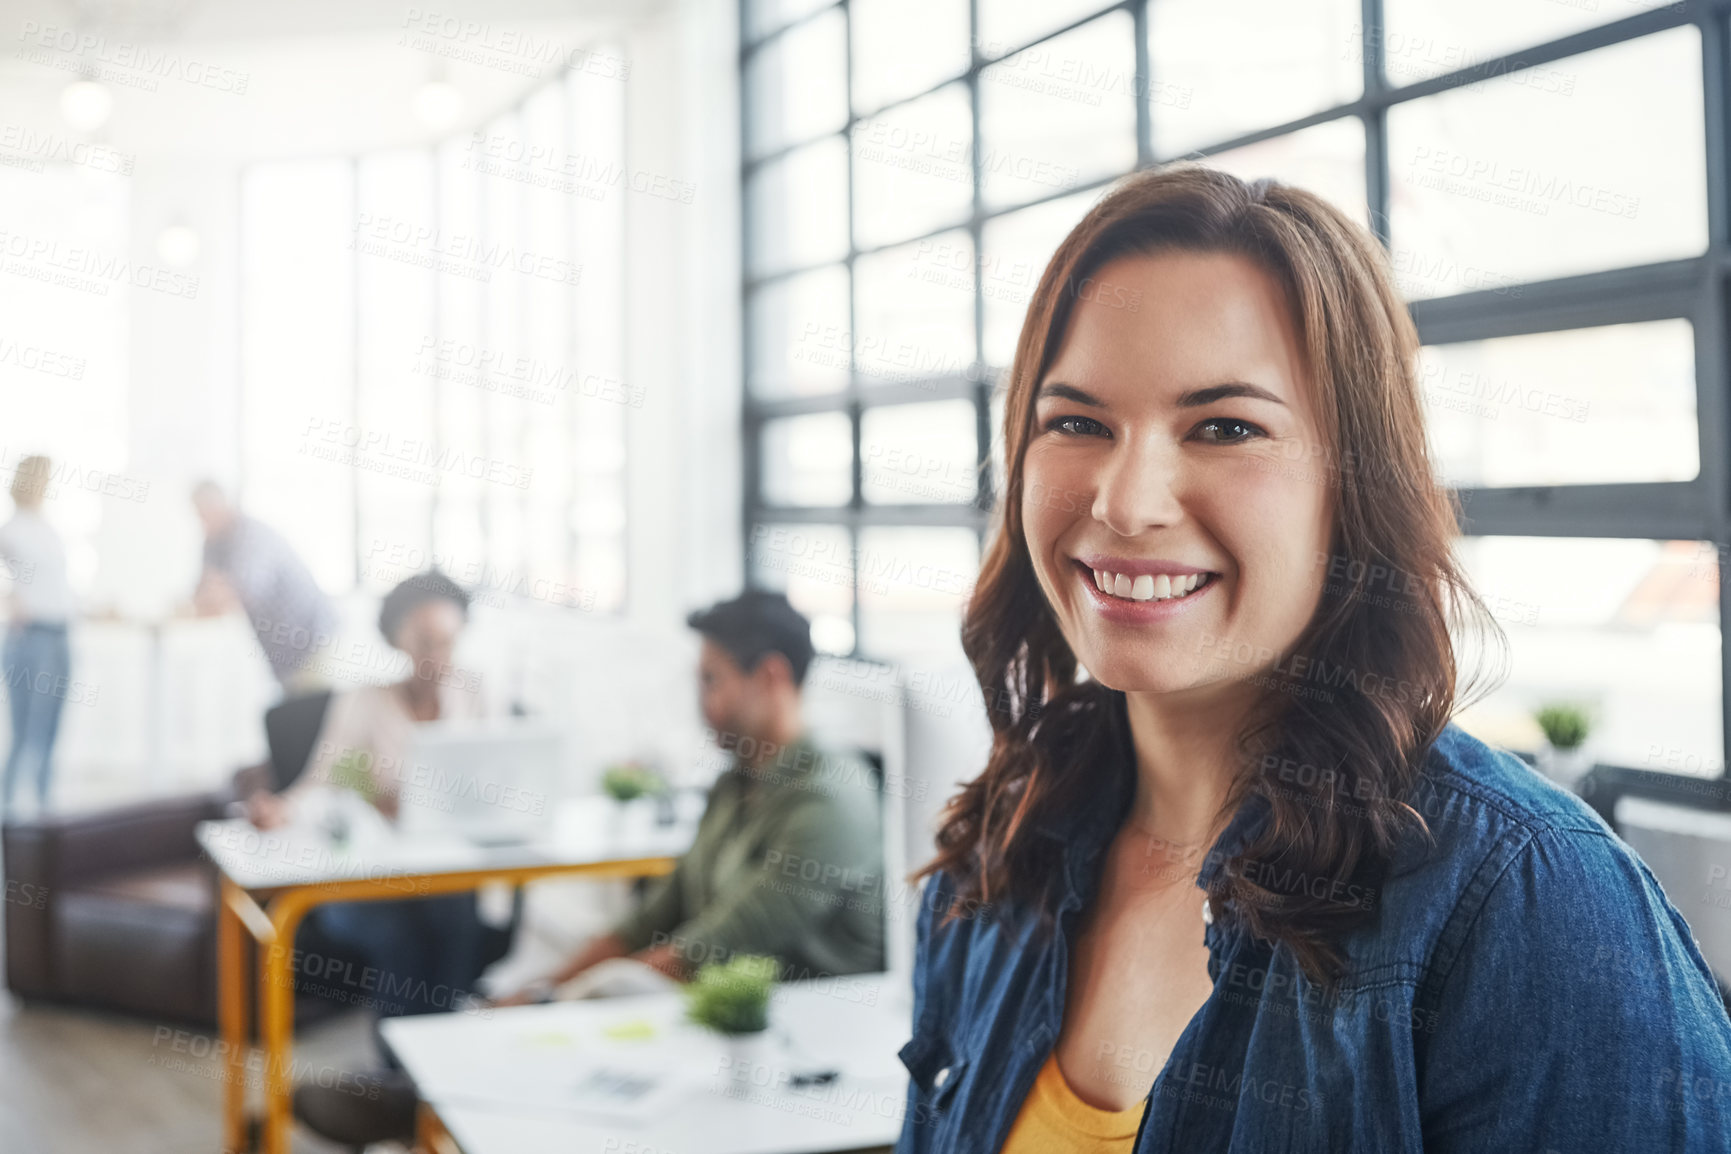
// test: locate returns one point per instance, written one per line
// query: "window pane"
(889, 63)
(549, 305)
(1327, 159)
(1018, 246)
(913, 168)
(808, 460)
(999, 468)
(797, 208)
(503, 422)
(765, 16)
(912, 586)
(796, 85)
(396, 320)
(1220, 70)
(919, 454)
(297, 356)
(799, 334)
(605, 394)
(1629, 628)
(1061, 113)
(915, 309)
(64, 386)
(1604, 405)
(462, 384)
(1008, 24)
(813, 565)
(1424, 38)
(1525, 180)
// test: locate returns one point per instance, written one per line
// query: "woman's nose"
(1137, 488)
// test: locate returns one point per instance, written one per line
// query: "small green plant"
(732, 997)
(1565, 724)
(631, 779)
(353, 771)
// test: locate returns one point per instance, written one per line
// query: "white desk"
(292, 870)
(498, 1084)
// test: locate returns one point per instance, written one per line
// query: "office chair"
(291, 729)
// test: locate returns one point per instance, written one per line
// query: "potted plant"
(731, 998)
(350, 773)
(640, 790)
(1565, 725)
(630, 780)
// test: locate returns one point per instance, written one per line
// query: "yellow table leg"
(431, 1137)
(275, 934)
(277, 1004)
(231, 1011)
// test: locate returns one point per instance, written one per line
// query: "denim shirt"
(1525, 985)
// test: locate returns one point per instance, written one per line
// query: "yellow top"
(1054, 1121)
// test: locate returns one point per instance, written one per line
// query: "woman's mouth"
(1124, 587)
(1144, 596)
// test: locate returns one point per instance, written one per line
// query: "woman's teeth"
(1145, 587)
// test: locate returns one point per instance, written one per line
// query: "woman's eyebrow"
(1194, 398)
(1212, 393)
(1069, 393)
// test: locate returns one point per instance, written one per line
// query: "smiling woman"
(1216, 462)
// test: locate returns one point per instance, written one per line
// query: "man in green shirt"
(788, 857)
(787, 861)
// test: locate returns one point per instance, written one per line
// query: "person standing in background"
(247, 563)
(36, 659)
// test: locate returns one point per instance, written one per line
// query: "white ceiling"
(320, 77)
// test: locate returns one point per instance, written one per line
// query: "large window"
(432, 355)
(67, 287)
(1539, 172)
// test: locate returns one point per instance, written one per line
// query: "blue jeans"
(36, 663)
(419, 954)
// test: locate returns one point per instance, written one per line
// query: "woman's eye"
(1226, 430)
(1076, 426)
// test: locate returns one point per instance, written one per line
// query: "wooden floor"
(79, 1082)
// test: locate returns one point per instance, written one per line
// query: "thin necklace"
(1166, 841)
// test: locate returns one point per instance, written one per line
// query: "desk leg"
(231, 1011)
(431, 1137)
(277, 1005)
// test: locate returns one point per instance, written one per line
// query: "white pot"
(1565, 766)
(633, 820)
(752, 1059)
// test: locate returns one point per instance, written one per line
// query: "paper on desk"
(617, 1093)
(629, 1067)
(635, 1059)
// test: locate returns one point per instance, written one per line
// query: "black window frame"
(1694, 289)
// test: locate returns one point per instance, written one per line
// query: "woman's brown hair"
(1336, 776)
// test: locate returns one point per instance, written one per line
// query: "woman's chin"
(1127, 677)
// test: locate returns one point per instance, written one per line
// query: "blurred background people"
(787, 861)
(429, 947)
(249, 565)
(783, 813)
(367, 730)
(36, 658)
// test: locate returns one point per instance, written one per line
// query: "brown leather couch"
(122, 909)
(117, 909)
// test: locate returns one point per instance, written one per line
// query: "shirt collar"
(795, 759)
(1246, 823)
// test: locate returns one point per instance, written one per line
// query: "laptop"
(490, 782)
